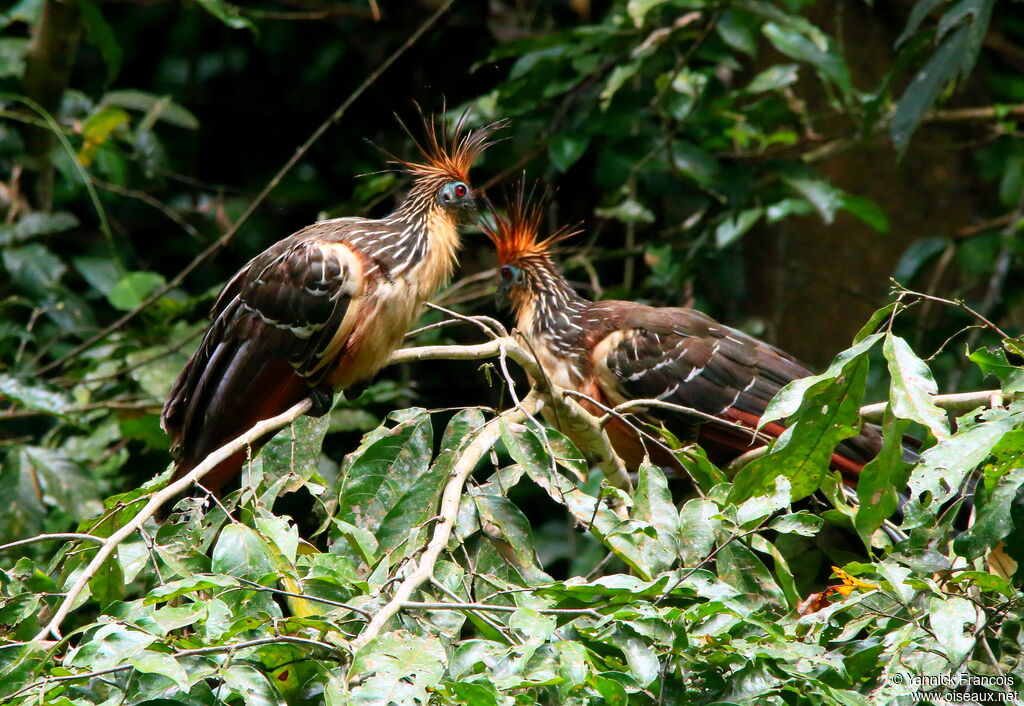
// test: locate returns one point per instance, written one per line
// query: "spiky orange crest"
(449, 156)
(516, 232)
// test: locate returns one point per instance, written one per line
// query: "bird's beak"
(467, 209)
(503, 297)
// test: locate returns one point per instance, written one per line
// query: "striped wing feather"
(275, 327)
(684, 357)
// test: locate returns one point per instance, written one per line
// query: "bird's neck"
(422, 242)
(551, 314)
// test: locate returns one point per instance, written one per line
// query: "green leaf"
(815, 188)
(35, 397)
(628, 210)
(565, 150)
(994, 520)
(250, 684)
(34, 268)
(36, 223)
(699, 523)
(942, 468)
(150, 662)
(397, 667)
(735, 225)
(953, 620)
(914, 258)
(227, 13)
(866, 210)
(384, 469)
(111, 645)
(131, 289)
(159, 107)
(616, 80)
(913, 387)
(101, 35)
(995, 363)
(880, 479)
(774, 78)
(817, 50)
(241, 552)
(653, 502)
(759, 507)
(499, 516)
(922, 91)
(12, 56)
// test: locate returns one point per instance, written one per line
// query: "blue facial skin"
(456, 196)
(508, 277)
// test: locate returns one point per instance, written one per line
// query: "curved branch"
(159, 498)
(485, 439)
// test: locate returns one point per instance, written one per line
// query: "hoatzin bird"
(322, 309)
(616, 351)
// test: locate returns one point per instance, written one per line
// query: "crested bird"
(612, 352)
(324, 308)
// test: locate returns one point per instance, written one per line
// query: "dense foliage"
(773, 162)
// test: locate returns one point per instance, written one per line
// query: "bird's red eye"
(461, 190)
(506, 273)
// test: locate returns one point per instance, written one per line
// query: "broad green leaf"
(36, 223)
(227, 13)
(803, 523)
(129, 292)
(33, 396)
(760, 507)
(162, 106)
(564, 150)
(867, 211)
(942, 468)
(819, 51)
(397, 667)
(509, 528)
(828, 412)
(774, 78)
(192, 584)
(653, 502)
(922, 91)
(12, 56)
(109, 646)
(250, 684)
(994, 520)
(34, 268)
(241, 552)
(616, 80)
(825, 197)
(735, 225)
(102, 36)
(880, 480)
(628, 211)
(916, 256)
(699, 523)
(151, 662)
(953, 620)
(378, 474)
(995, 363)
(910, 396)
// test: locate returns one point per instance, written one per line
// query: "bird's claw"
(322, 399)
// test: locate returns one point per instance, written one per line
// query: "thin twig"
(158, 499)
(46, 537)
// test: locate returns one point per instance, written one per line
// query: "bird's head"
(441, 180)
(524, 262)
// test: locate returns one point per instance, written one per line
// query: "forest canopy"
(842, 180)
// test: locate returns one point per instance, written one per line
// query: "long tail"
(226, 388)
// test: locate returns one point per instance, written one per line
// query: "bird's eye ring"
(461, 190)
(506, 273)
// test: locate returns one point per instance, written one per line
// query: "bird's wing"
(278, 323)
(684, 357)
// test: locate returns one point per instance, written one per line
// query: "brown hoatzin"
(322, 309)
(616, 351)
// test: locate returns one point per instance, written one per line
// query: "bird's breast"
(384, 317)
